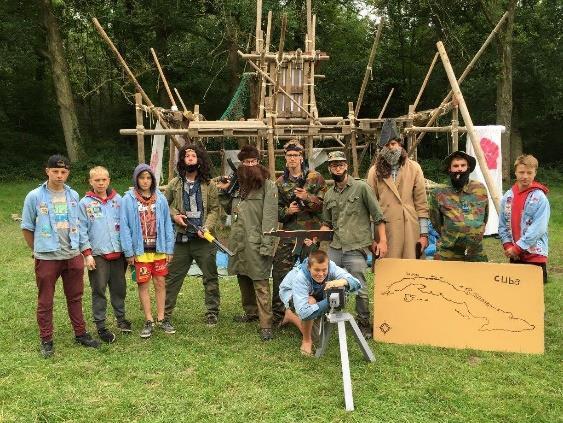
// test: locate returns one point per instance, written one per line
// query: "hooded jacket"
(529, 233)
(131, 234)
(299, 284)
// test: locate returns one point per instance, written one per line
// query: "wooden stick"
(455, 129)
(312, 97)
(280, 89)
(353, 144)
(368, 71)
(309, 25)
(425, 80)
(181, 101)
(268, 32)
(258, 25)
(140, 128)
(468, 69)
(164, 81)
(386, 102)
(276, 82)
(469, 124)
(124, 65)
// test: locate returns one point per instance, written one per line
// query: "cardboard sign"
(484, 306)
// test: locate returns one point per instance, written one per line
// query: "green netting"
(239, 107)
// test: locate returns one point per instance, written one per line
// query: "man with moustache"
(399, 187)
(349, 208)
(254, 211)
(459, 212)
(300, 205)
(193, 200)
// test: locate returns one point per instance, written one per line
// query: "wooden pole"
(368, 71)
(455, 129)
(268, 32)
(276, 82)
(164, 81)
(423, 86)
(181, 101)
(258, 26)
(386, 102)
(124, 65)
(140, 128)
(469, 124)
(468, 69)
(312, 98)
(171, 161)
(353, 145)
(271, 154)
(411, 136)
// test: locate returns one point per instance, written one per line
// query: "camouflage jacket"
(310, 216)
(459, 214)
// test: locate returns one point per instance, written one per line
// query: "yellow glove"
(336, 283)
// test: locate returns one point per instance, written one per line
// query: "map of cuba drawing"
(484, 306)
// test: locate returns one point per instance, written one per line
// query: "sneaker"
(266, 334)
(146, 332)
(166, 326)
(106, 336)
(245, 318)
(124, 326)
(47, 348)
(366, 329)
(211, 319)
(87, 340)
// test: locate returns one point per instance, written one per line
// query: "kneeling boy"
(303, 293)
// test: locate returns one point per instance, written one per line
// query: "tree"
(61, 82)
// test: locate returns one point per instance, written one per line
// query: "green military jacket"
(459, 214)
(209, 196)
(349, 213)
(311, 216)
(251, 217)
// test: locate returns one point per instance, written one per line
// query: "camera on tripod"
(336, 298)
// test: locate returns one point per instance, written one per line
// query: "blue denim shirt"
(131, 234)
(99, 224)
(298, 284)
(38, 216)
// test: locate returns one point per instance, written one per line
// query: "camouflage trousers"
(462, 250)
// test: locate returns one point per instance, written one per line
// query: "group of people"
(161, 234)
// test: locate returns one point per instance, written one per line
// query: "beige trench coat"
(403, 203)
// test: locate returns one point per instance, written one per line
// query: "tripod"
(327, 323)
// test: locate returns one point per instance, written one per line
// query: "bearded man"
(254, 211)
(399, 187)
(459, 212)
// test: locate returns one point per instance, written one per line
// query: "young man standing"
(50, 228)
(459, 212)
(300, 205)
(398, 183)
(193, 201)
(349, 209)
(254, 211)
(524, 216)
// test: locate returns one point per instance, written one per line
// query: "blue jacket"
(99, 223)
(535, 217)
(299, 284)
(38, 217)
(131, 233)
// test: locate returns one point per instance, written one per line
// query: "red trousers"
(46, 274)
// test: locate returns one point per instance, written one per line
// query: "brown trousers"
(255, 298)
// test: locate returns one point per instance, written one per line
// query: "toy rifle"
(207, 235)
(301, 235)
(290, 199)
(233, 180)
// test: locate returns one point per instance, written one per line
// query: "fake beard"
(459, 179)
(192, 167)
(391, 156)
(252, 177)
(338, 178)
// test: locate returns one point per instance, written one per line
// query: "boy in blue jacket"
(50, 228)
(303, 293)
(147, 239)
(99, 229)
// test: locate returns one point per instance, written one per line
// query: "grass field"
(227, 374)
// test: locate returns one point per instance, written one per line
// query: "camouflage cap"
(336, 156)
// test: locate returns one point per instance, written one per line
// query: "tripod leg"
(366, 350)
(326, 330)
(346, 379)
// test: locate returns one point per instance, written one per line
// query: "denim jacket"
(535, 218)
(298, 285)
(131, 234)
(99, 224)
(38, 216)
